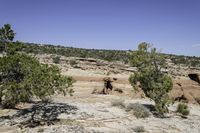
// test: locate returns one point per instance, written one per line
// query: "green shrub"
(138, 110)
(153, 81)
(183, 109)
(72, 62)
(56, 59)
(23, 77)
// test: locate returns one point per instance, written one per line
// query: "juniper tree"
(23, 77)
(6, 35)
(150, 76)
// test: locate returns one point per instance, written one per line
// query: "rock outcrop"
(185, 90)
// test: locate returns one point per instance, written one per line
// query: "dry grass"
(139, 129)
(138, 110)
(118, 103)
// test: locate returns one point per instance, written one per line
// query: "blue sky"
(172, 26)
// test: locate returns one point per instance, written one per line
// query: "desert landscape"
(99, 66)
(90, 111)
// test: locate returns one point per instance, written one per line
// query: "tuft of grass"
(139, 129)
(139, 110)
(118, 103)
(183, 109)
(40, 130)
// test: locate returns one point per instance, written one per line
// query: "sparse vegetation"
(185, 60)
(139, 129)
(153, 81)
(138, 110)
(40, 130)
(183, 109)
(109, 55)
(72, 63)
(118, 103)
(56, 59)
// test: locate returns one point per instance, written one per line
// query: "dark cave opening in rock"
(194, 77)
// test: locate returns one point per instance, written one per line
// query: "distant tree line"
(192, 61)
(108, 55)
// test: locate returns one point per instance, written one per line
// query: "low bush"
(72, 62)
(183, 109)
(56, 59)
(139, 111)
(139, 129)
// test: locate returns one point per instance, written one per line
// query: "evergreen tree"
(153, 81)
(23, 77)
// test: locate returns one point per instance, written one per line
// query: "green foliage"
(12, 48)
(183, 109)
(56, 59)
(152, 79)
(6, 33)
(72, 62)
(191, 61)
(138, 110)
(23, 77)
(108, 55)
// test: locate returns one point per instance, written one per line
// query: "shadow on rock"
(152, 109)
(39, 114)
